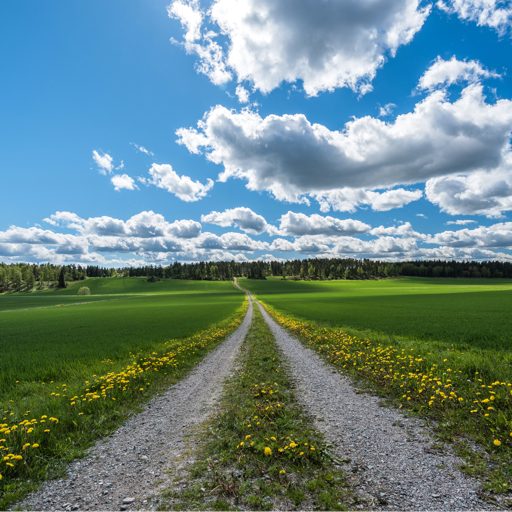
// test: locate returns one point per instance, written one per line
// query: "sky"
(148, 131)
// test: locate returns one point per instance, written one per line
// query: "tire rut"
(132, 463)
(390, 457)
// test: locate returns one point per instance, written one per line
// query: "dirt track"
(132, 462)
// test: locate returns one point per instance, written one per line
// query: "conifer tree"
(62, 278)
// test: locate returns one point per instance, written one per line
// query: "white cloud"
(488, 237)
(448, 72)
(298, 224)
(163, 176)
(460, 222)
(148, 237)
(327, 44)
(290, 157)
(386, 110)
(231, 242)
(496, 14)
(17, 235)
(242, 217)
(104, 162)
(68, 219)
(211, 55)
(143, 225)
(142, 149)
(421, 215)
(486, 193)
(404, 230)
(348, 199)
(123, 181)
(242, 94)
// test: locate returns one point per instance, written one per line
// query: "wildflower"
(35, 445)
(497, 443)
(268, 451)
(247, 436)
(282, 472)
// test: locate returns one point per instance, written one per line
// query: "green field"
(465, 313)
(135, 285)
(58, 336)
(140, 337)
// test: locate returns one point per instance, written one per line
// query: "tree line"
(25, 277)
(19, 277)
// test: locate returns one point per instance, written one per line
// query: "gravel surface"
(128, 470)
(389, 456)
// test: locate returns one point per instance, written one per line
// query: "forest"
(18, 277)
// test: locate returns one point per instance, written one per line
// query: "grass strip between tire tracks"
(35, 447)
(260, 450)
(464, 406)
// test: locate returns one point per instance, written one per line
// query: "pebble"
(133, 460)
(389, 453)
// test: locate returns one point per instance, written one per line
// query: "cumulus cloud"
(242, 217)
(242, 94)
(123, 181)
(447, 72)
(326, 44)
(348, 199)
(495, 14)
(460, 222)
(299, 224)
(291, 157)
(143, 225)
(231, 242)
(404, 230)
(104, 162)
(486, 193)
(148, 237)
(386, 110)
(488, 237)
(183, 187)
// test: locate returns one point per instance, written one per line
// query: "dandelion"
(268, 451)
(497, 443)
(282, 472)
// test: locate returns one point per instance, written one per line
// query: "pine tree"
(62, 278)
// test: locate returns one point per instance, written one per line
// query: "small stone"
(127, 501)
(145, 457)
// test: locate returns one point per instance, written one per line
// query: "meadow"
(438, 348)
(73, 367)
(55, 336)
(460, 312)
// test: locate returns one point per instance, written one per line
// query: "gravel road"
(392, 459)
(127, 470)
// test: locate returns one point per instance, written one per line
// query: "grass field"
(60, 337)
(466, 313)
(440, 348)
(131, 285)
(75, 366)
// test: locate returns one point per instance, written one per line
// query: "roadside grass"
(46, 424)
(456, 389)
(260, 450)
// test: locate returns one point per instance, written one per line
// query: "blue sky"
(148, 132)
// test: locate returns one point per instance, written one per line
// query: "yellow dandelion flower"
(497, 443)
(268, 451)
